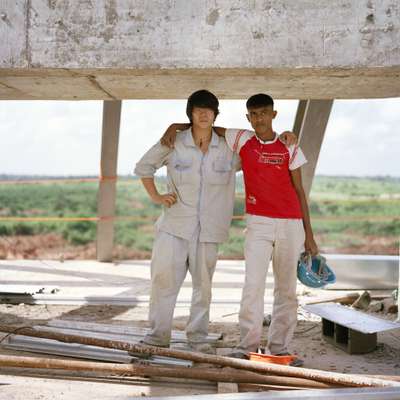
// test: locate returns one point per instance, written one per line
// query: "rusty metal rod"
(214, 375)
(274, 369)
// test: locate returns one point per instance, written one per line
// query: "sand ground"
(130, 281)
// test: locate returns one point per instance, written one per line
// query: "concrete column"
(398, 292)
(310, 124)
(298, 120)
(108, 179)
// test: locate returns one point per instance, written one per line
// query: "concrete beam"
(107, 187)
(112, 84)
(108, 49)
(315, 119)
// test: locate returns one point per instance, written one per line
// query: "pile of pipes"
(219, 368)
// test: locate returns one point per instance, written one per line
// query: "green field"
(349, 215)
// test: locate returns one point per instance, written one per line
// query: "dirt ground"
(131, 279)
(308, 344)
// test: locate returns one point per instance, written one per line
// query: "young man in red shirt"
(278, 225)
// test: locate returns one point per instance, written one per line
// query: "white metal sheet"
(350, 318)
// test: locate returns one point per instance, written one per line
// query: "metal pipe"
(274, 369)
(214, 375)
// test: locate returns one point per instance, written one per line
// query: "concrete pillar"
(310, 124)
(298, 120)
(398, 292)
(108, 180)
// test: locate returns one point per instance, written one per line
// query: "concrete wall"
(114, 48)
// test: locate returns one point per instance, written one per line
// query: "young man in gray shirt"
(196, 218)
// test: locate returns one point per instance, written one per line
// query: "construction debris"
(209, 374)
(267, 320)
(129, 334)
(348, 299)
(254, 366)
(350, 330)
(24, 290)
(363, 301)
(389, 306)
(76, 350)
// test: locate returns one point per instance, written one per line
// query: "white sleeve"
(152, 160)
(236, 138)
(297, 157)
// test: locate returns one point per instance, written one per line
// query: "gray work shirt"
(204, 185)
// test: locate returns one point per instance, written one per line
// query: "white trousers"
(171, 259)
(284, 240)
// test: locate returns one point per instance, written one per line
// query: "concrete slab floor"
(132, 279)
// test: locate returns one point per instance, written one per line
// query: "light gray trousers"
(172, 258)
(284, 240)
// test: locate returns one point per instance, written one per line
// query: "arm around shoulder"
(169, 137)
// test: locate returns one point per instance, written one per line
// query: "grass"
(344, 211)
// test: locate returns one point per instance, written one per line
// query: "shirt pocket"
(182, 170)
(221, 170)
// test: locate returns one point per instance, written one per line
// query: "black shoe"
(297, 362)
(238, 354)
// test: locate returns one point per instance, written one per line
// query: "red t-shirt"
(266, 171)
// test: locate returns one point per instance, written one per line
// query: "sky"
(64, 138)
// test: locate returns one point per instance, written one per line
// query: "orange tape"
(107, 178)
(47, 181)
(75, 219)
(40, 219)
(148, 218)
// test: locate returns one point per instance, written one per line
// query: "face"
(203, 117)
(261, 118)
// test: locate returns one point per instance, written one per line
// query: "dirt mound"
(51, 246)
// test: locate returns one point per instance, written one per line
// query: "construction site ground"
(129, 282)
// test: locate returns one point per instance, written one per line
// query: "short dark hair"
(203, 99)
(259, 100)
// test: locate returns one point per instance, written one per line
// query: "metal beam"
(310, 124)
(107, 186)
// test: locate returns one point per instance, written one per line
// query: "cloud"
(362, 138)
(64, 138)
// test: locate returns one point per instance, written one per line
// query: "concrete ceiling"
(107, 49)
